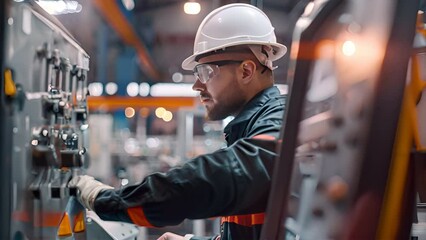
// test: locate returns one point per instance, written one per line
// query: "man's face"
(220, 92)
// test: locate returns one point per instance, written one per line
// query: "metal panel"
(348, 73)
(5, 132)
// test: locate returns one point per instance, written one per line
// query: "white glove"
(172, 236)
(88, 189)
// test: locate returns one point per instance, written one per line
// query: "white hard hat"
(232, 25)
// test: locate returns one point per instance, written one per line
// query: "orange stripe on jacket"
(245, 220)
(264, 137)
(137, 216)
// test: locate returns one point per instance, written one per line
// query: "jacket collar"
(235, 127)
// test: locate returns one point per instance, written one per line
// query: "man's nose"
(198, 86)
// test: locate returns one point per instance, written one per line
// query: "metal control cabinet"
(44, 129)
(45, 78)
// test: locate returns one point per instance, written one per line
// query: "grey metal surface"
(49, 124)
(321, 199)
(40, 55)
(345, 134)
(5, 132)
(99, 229)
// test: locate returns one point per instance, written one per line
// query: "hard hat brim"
(190, 63)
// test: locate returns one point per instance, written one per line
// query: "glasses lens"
(204, 72)
(207, 71)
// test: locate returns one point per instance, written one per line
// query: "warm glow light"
(159, 112)
(144, 112)
(348, 48)
(358, 56)
(167, 116)
(129, 112)
(164, 114)
(192, 8)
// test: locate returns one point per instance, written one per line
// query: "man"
(234, 48)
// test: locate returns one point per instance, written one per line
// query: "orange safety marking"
(9, 84)
(137, 216)
(245, 220)
(20, 216)
(65, 226)
(112, 103)
(48, 219)
(79, 225)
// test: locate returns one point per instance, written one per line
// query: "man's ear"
(249, 69)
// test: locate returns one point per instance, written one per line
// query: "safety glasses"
(206, 71)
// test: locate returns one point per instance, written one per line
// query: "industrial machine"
(347, 171)
(352, 169)
(44, 127)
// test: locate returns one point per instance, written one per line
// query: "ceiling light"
(128, 4)
(177, 77)
(132, 89)
(111, 88)
(172, 90)
(95, 89)
(144, 89)
(192, 8)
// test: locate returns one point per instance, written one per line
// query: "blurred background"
(144, 115)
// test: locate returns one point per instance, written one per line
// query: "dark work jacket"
(232, 182)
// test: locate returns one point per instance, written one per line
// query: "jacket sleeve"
(205, 238)
(233, 180)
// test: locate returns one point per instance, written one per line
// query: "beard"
(223, 108)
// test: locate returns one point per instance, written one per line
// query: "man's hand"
(172, 236)
(88, 189)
